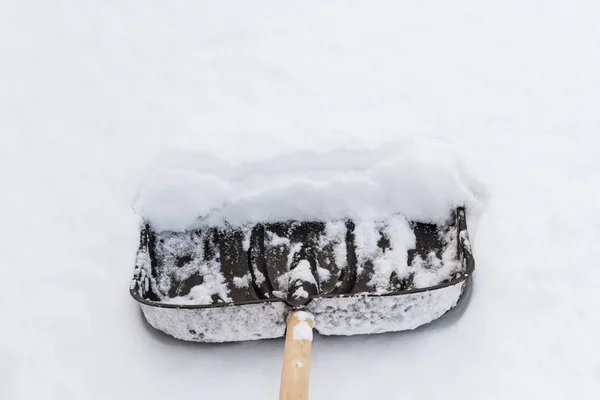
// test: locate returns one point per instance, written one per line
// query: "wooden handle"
(296, 357)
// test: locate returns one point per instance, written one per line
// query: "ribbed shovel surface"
(226, 284)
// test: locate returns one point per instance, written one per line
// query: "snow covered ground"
(90, 93)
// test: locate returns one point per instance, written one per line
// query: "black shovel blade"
(293, 263)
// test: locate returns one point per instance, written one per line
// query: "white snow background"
(90, 92)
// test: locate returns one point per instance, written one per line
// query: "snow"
(394, 259)
(300, 293)
(304, 316)
(171, 200)
(259, 277)
(335, 234)
(433, 270)
(323, 274)
(92, 93)
(171, 247)
(247, 233)
(242, 282)
(302, 331)
(275, 240)
(221, 324)
(302, 273)
(419, 178)
(367, 315)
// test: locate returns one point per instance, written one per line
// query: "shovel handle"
(296, 357)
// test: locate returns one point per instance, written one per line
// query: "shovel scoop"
(344, 277)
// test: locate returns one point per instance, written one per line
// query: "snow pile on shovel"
(421, 179)
(380, 190)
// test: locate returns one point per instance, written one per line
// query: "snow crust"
(221, 324)
(422, 179)
(348, 316)
(359, 315)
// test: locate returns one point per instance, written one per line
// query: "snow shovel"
(269, 280)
